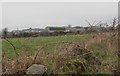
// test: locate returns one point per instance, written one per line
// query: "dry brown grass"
(68, 55)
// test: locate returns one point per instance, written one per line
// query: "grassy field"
(30, 45)
(102, 59)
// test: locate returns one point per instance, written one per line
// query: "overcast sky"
(40, 15)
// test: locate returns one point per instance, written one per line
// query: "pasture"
(102, 48)
(30, 45)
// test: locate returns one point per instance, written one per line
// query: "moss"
(74, 66)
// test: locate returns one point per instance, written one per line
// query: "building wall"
(53, 29)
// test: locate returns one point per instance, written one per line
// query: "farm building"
(77, 29)
(66, 29)
(16, 31)
(54, 29)
(33, 30)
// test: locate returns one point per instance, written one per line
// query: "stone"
(36, 69)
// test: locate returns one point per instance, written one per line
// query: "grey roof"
(35, 29)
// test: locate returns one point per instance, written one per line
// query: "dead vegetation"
(71, 58)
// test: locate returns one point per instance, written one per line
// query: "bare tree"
(114, 23)
(92, 24)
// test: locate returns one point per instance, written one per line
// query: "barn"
(54, 29)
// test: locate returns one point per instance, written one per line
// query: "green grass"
(29, 46)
